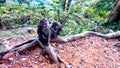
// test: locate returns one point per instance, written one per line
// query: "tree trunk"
(68, 5)
(115, 13)
(63, 4)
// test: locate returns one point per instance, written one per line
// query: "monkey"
(56, 29)
(25, 19)
(45, 33)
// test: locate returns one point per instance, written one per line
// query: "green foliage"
(115, 26)
(104, 5)
(89, 14)
(10, 21)
(2, 1)
(75, 28)
(101, 8)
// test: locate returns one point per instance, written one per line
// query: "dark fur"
(44, 32)
(25, 19)
(56, 29)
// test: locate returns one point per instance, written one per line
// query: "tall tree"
(115, 13)
(63, 4)
(68, 5)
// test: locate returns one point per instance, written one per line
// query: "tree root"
(66, 39)
(30, 43)
(87, 33)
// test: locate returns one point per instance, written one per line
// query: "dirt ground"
(88, 52)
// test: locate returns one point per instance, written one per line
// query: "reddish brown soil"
(88, 52)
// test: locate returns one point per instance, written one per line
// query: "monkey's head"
(43, 26)
(43, 23)
(56, 29)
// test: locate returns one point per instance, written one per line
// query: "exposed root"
(50, 50)
(88, 33)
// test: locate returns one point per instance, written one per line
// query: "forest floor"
(88, 52)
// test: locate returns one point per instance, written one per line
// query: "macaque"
(46, 33)
(56, 29)
(25, 19)
(43, 32)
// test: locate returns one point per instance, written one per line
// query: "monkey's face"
(44, 32)
(43, 23)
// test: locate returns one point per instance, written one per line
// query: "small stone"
(24, 59)
(61, 51)
(10, 58)
(68, 66)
